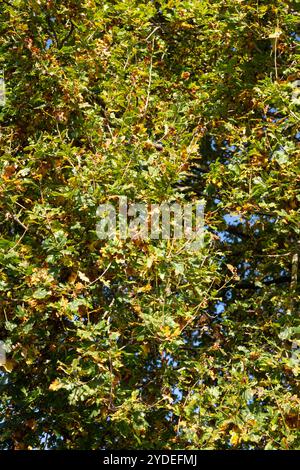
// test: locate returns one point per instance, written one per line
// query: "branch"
(294, 276)
(294, 279)
(64, 40)
(60, 44)
(235, 231)
(267, 282)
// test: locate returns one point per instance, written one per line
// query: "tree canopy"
(144, 344)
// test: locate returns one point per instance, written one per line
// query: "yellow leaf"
(276, 34)
(83, 277)
(55, 385)
(176, 332)
(231, 268)
(137, 308)
(166, 331)
(146, 288)
(72, 278)
(145, 349)
(235, 438)
(9, 365)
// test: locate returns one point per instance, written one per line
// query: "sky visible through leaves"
(145, 344)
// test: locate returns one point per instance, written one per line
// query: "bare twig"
(294, 280)
(150, 81)
(275, 58)
(152, 32)
(68, 35)
(100, 277)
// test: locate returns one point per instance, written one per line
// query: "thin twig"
(152, 32)
(150, 80)
(19, 241)
(19, 222)
(100, 277)
(275, 58)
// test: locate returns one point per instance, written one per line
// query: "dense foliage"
(145, 344)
